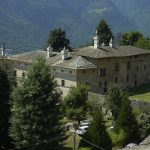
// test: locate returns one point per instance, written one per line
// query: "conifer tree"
(97, 133)
(36, 110)
(4, 109)
(104, 32)
(57, 39)
(113, 100)
(127, 121)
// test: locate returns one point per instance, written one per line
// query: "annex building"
(98, 66)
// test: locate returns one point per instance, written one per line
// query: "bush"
(117, 138)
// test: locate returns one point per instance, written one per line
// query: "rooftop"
(107, 51)
(75, 62)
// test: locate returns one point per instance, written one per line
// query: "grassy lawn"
(141, 93)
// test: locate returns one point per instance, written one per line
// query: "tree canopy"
(57, 39)
(4, 109)
(130, 38)
(36, 110)
(76, 102)
(104, 32)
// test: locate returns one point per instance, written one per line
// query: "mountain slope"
(138, 11)
(26, 23)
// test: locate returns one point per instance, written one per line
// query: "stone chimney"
(64, 53)
(49, 51)
(111, 42)
(3, 50)
(96, 40)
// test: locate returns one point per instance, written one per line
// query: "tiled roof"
(107, 51)
(75, 62)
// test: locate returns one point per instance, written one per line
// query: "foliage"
(76, 102)
(127, 121)
(144, 120)
(104, 32)
(4, 109)
(143, 43)
(130, 38)
(97, 133)
(36, 110)
(94, 103)
(113, 100)
(117, 138)
(57, 39)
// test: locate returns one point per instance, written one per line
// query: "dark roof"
(75, 62)
(107, 51)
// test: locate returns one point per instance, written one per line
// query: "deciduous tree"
(76, 102)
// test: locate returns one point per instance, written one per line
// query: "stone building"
(98, 66)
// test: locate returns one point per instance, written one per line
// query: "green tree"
(113, 100)
(37, 110)
(130, 38)
(127, 121)
(143, 43)
(97, 133)
(76, 102)
(4, 109)
(57, 39)
(104, 32)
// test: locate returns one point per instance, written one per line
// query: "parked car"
(81, 130)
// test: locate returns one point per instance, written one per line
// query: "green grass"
(141, 93)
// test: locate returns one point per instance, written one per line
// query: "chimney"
(111, 42)
(3, 50)
(49, 51)
(64, 53)
(96, 40)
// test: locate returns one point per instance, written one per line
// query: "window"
(127, 78)
(62, 82)
(137, 68)
(136, 56)
(128, 65)
(100, 84)
(93, 71)
(70, 71)
(105, 86)
(62, 70)
(144, 67)
(116, 67)
(116, 79)
(102, 72)
(83, 71)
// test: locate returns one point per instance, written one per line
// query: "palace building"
(98, 66)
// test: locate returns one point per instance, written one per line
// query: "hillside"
(25, 24)
(138, 11)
